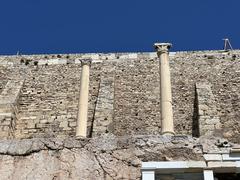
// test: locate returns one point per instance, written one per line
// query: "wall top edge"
(119, 53)
(62, 59)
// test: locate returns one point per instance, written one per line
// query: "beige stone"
(83, 100)
(216, 164)
(212, 157)
(165, 88)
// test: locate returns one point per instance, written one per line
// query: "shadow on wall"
(195, 120)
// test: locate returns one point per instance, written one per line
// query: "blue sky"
(79, 26)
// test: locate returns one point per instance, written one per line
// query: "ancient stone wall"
(222, 71)
(137, 97)
(124, 92)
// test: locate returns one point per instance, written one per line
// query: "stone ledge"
(212, 157)
(231, 157)
(151, 143)
(221, 164)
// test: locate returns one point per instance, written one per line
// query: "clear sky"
(79, 26)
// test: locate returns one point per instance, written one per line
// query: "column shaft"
(83, 102)
(166, 95)
(165, 88)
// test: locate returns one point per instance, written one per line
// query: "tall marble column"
(165, 88)
(83, 99)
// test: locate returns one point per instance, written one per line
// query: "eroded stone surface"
(105, 157)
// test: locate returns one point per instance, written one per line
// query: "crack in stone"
(100, 164)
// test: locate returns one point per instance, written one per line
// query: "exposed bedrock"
(104, 157)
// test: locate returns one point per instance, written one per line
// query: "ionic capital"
(86, 62)
(162, 47)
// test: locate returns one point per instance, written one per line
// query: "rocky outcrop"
(104, 157)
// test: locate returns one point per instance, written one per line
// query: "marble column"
(165, 88)
(83, 99)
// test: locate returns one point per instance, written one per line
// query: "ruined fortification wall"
(124, 93)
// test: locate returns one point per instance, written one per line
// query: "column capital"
(86, 62)
(162, 47)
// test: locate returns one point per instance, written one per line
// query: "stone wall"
(222, 71)
(49, 100)
(137, 97)
(124, 92)
(3, 77)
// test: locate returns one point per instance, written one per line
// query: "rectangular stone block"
(30, 125)
(196, 164)
(73, 124)
(133, 56)
(6, 122)
(63, 124)
(212, 157)
(41, 125)
(52, 61)
(67, 129)
(216, 164)
(165, 165)
(231, 157)
(212, 121)
(32, 130)
(43, 121)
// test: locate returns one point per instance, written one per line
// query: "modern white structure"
(215, 165)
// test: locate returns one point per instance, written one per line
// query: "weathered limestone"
(83, 100)
(9, 107)
(104, 108)
(165, 88)
(207, 112)
(100, 158)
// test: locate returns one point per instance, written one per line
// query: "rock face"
(105, 157)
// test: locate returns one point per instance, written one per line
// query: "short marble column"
(165, 88)
(83, 99)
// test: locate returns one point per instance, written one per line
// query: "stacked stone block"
(9, 107)
(3, 77)
(208, 118)
(136, 97)
(104, 111)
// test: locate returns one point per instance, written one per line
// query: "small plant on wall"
(35, 63)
